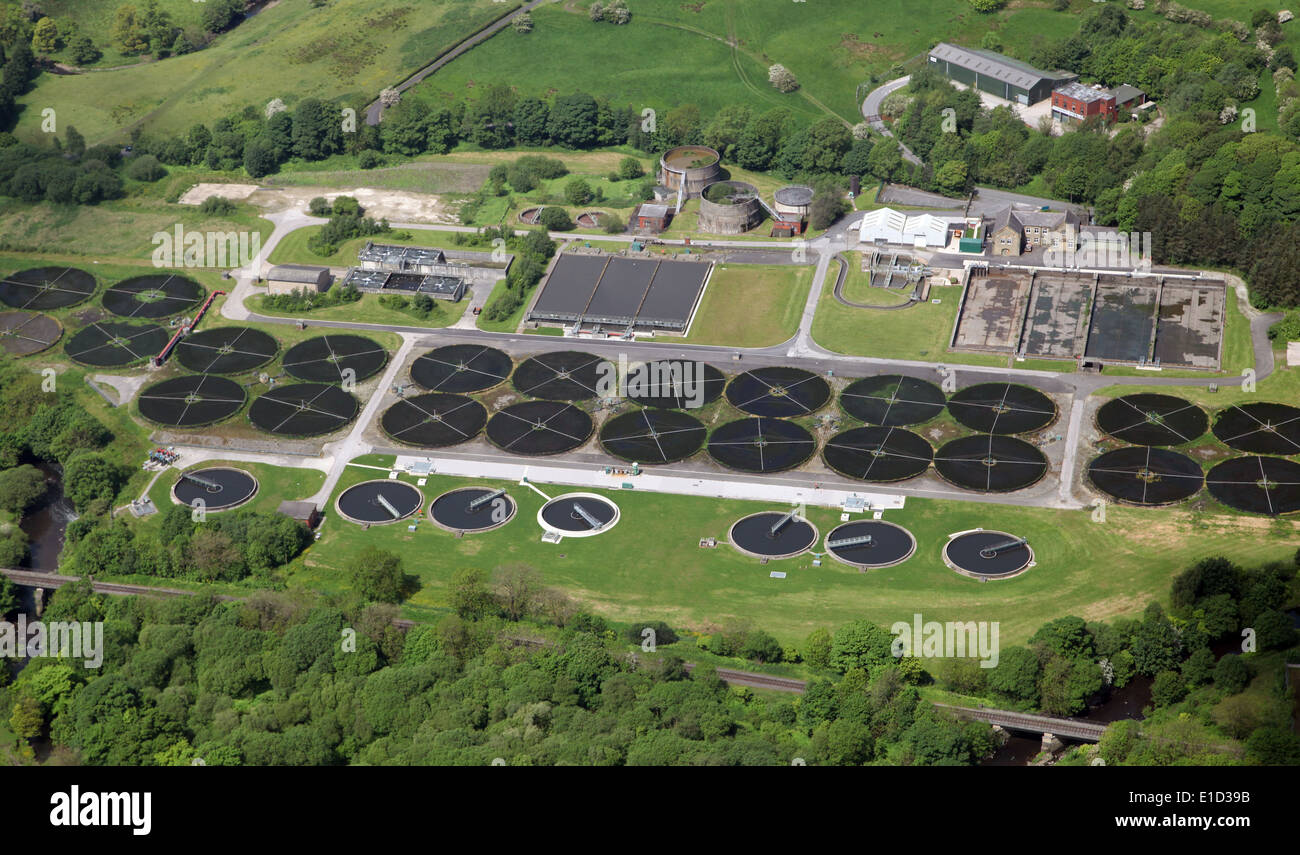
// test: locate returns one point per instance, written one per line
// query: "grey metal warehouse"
(996, 74)
(616, 295)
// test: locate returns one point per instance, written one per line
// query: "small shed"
(652, 218)
(287, 278)
(304, 512)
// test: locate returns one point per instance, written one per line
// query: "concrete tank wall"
(731, 219)
(675, 168)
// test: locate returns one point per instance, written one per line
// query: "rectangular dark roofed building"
(996, 74)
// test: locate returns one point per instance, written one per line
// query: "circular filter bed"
(674, 384)
(772, 534)
(566, 375)
(539, 427)
(761, 445)
(219, 488)
(578, 515)
(154, 296)
(327, 358)
(192, 401)
(878, 454)
(434, 420)
(778, 391)
(990, 463)
(1002, 408)
(43, 288)
(1258, 485)
(116, 343)
(25, 333)
(379, 502)
(1141, 475)
(226, 350)
(303, 409)
(461, 368)
(472, 509)
(870, 543)
(653, 436)
(988, 554)
(1152, 419)
(892, 400)
(1260, 428)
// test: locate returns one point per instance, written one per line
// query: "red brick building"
(1075, 102)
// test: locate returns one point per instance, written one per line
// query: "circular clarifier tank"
(870, 543)
(578, 515)
(986, 554)
(472, 509)
(773, 534)
(379, 502)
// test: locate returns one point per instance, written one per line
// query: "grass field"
(121, 230)
(858, 287)
(648, 568)
(773, 297)
(920, 332)
(717, 52)
(293, 249)
(347, 49)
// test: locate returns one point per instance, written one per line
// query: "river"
(45, 524)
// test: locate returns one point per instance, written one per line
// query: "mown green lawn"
(650, 566)
(275, 484)
(749, 305)
(920, 332)
(367, 310)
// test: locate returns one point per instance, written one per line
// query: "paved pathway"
(871, 112)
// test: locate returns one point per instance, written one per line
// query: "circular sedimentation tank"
(192, 401)
(691, 166)
(330, 358)
(539, 427)
(303, 410)
(472, 509)
(1002, 408)
(564, 375)
(879, 454)
(578, 515)
(1257, 485)
(729, 208)
(219, 488)
(778, 392)
(1152, 419)
(892, 400)
(1146, 475)
(41, 288)
(379, 502)
(434, 420)
(761, 444)
(25, 333)
(674, 384)
(1260, 428)
(772, 534)
(226, 350)
(653, 436)
(987, 554)
(461, 368)
(990, 463)
(156, 295)
(113, 344)
(870, 544)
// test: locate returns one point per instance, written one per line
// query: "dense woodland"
(289, 679)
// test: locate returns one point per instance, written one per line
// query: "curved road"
(871, 112)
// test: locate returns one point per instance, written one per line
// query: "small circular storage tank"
(730, 208)
(792, 202)
(693, 165)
